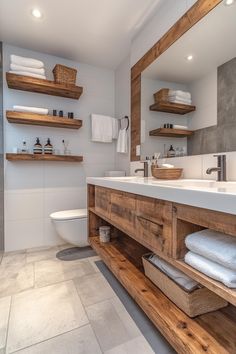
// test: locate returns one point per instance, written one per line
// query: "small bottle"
(37, 147)
(24, 149)
(171, 152)
(48, 148)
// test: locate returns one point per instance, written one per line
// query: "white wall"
(165, 17)
(154, 120)
(33, 190)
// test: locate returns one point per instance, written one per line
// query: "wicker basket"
(161, 95)
(65, 75)
(166, 173)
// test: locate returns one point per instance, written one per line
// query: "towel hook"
(127, 122)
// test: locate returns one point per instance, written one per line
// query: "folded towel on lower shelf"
(15, 67)
(30, 109)
(179, 277)
(102, 128)
(214, 245)
(25, 73)
(29, 62)
(178, 99)
(212, 269)
(180, 93)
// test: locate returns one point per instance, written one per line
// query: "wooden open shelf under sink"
(47, 87)
(170, 107)
(43, 157)
(30, 118)
(171, 133)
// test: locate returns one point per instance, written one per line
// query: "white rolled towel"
(30, 109)
(214, 245)
(25, 73)
(179, 277)
(181, 127)
(28, 62)
(16, 67)
(212, 269)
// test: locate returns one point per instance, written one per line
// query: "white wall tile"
(23, 205)
(22, 234)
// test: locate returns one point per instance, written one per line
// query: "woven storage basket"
(161, 95)
(166, 173)
(65, 75)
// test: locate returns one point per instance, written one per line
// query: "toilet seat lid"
(69, 214)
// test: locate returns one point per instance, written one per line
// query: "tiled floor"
(56, 307)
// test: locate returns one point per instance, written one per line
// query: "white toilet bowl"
(71, 226)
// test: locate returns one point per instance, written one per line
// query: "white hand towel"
(25, 73)
(28, 62)
(216, 246)
(180, 93)
(178, 99)
(179, 277)
(15, 67)
(115, 128)
(101, 128)
(30, 109)
(212, 269)
(181, 127)
(122, 142)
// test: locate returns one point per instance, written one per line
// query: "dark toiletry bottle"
(60, 113)
(48, 148)
(54, 112)
(171, 152)
(38, 147)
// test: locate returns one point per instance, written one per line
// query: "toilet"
(71, 226)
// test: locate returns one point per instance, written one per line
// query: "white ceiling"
(211, 42)
(97, 32)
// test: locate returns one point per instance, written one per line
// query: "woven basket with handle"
(65, 75)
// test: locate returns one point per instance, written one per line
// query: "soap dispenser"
(48, 148)
(37, 147)
(171, 152)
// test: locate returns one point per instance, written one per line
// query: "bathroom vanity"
(149, 215)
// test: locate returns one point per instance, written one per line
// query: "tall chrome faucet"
(220, 169)
(144, 169)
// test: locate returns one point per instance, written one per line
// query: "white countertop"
(218, 196)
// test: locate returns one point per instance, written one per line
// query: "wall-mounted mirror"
(188, 94)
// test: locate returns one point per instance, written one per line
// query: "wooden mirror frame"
(200, 9)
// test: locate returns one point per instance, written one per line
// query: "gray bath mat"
(74, 253)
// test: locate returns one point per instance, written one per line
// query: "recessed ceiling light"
(229, 2)
(36, 13)
(189, 57)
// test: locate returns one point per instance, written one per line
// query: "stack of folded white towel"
(178, 96)
(173, 273)
(214, 254)
(104, 128)
(27, 67)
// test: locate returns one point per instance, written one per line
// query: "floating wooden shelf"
(31, 84)
(43, 157)
(170, 107)
(42, 119)
(202, 334)
(171, 133)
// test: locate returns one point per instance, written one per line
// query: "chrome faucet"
(144, 169)
(220, 169)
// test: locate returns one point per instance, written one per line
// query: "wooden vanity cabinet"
(123, 211)
(103, 201)
(154, 224)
